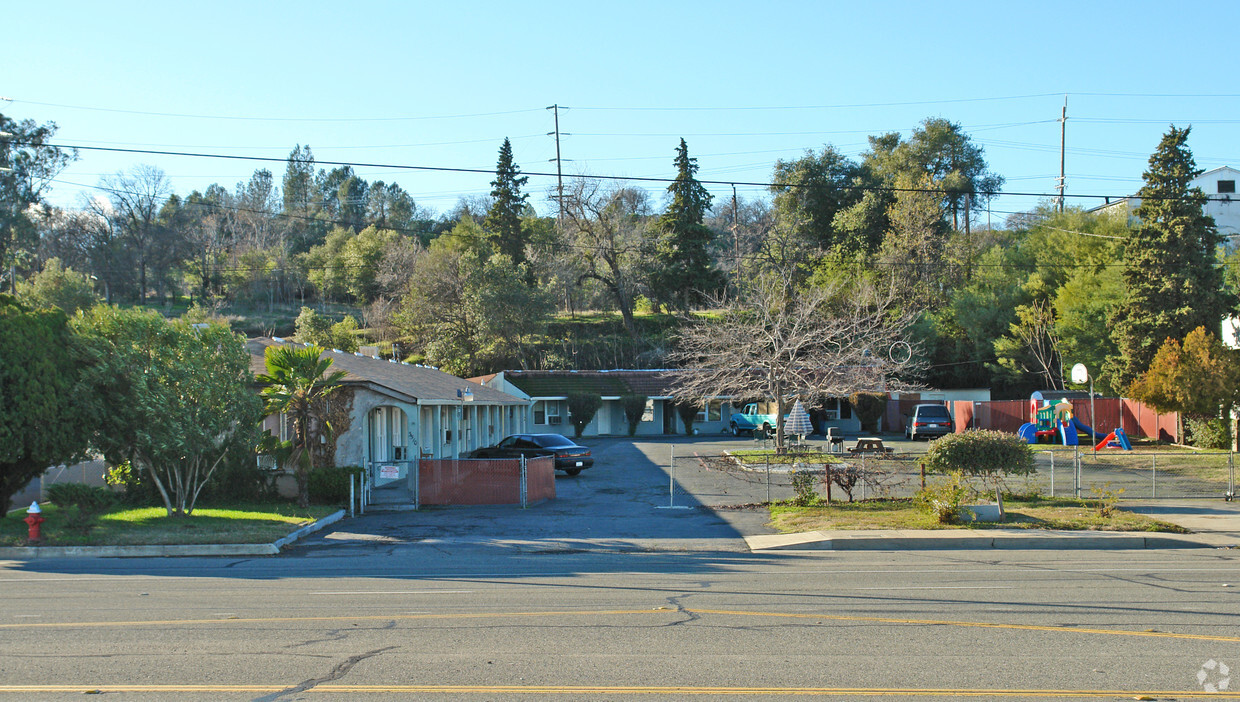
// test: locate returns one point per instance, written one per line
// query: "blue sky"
(441, 85)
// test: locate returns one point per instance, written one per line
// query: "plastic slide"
(1081, 426)
(1122, 437)
(1103, 444)
(1068, 437)
(1028, 432)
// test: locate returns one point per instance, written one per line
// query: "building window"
(714, 411)
(1226, 186)
(547, 412)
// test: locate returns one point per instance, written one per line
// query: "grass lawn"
(143, 526)
(1042, 513)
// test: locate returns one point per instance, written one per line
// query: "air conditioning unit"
(398, 453)
(555, 419)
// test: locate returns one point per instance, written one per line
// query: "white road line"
(396, 592)
(934, 587)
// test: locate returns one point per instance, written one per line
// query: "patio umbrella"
(798, 423)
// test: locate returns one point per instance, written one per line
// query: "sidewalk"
(1215, 524)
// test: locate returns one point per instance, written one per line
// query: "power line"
(646, 179)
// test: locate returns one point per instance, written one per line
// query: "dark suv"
(926, 421)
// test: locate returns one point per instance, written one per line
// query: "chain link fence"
(755, 475)
(1179, 475)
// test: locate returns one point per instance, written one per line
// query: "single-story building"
(388, 413)
(548, 391)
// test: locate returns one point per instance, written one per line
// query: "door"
(389, 460)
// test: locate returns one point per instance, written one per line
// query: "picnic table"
(870, 444)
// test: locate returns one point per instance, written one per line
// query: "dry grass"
(1066, 514)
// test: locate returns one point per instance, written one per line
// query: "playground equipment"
(1052, 419)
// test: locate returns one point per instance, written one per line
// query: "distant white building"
(1219, 185)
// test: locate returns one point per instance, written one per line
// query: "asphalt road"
(603, 595)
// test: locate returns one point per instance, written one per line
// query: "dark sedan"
(569, 457)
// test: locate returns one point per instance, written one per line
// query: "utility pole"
(559, 173)
(1063, 128)
(736, 239)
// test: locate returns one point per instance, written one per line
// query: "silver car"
(928, 421)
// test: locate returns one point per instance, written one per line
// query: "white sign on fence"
(389, 472)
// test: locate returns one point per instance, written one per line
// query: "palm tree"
(295, 384)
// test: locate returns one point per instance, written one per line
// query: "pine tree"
(503, 222)
(1173, 284)
(682, 272)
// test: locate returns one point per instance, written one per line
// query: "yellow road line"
(982, 625)
(627, 612)
(620, 690)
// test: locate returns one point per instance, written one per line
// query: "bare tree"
(1031, 346)
(136, 199)
(605, 227)
(778, 342)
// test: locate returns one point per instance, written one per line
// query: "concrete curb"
(911, 540)
(30, 553)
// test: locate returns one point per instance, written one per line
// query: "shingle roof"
(424, 384)
(617, 382)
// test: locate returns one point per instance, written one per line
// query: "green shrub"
(239, 479)
(82, 503)
(634, 407)
(1209, 433)
(688, 412)
(1107, 497)
(581, 410)
(943, 499)
(803, 485)
(330, 486)
(981, 453)
(869, 408)
(137, 488)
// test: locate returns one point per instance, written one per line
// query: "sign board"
(389, 472)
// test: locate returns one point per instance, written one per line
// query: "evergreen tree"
(682, 272)
(503, 221)
(1173, 284)
(301, 200)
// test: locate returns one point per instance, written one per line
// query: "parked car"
(570, 457)
(927, 421)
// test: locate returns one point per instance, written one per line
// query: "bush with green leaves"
(82, 503)
(944, 499)
(318, 329)
(869, 408)
(581, 410)
(688, 412)
(803, 481)
(634, 407)
(136, 488)
(330, 486)
(1214, 433)
(991, 455)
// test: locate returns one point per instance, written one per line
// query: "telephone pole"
(559, 173)
(736, 240)
(1063, 128)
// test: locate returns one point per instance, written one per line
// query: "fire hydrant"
(34, 517)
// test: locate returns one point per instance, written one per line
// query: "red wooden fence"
(1136, 419)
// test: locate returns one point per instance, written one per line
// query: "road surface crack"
(339, 671)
